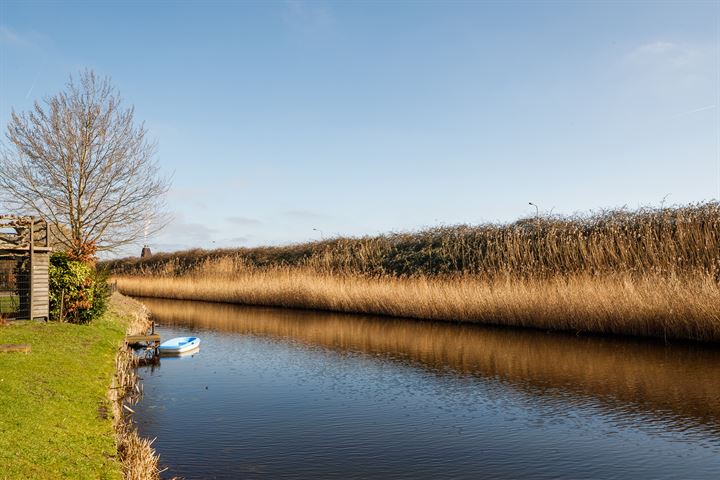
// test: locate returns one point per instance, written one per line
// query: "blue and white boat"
(179, 345)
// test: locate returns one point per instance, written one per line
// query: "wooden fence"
(24, 267)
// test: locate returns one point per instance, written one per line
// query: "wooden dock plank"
(154, 337)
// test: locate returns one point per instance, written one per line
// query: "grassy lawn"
(52, 400)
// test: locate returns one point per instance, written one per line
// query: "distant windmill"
(146, 249)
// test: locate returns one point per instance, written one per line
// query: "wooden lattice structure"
(24, 267)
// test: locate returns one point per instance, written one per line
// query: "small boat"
(179, 345)
(172, 355)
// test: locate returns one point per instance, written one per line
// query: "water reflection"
(675, 387)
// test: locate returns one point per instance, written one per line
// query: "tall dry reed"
(138, 458)
(652, 272)
(681, 308)
(647, 241)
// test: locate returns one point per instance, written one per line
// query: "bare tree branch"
(80, 161)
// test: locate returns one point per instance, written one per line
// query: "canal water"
(277, 393)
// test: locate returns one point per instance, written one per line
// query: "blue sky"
(353, 118)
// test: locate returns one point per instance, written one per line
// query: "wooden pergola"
(24, 267)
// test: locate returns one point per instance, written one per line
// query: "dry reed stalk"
(137, 314)
(666, 241)
(652, 272)
(138, 458)
(672, 307)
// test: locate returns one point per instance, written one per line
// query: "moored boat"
(179, 345)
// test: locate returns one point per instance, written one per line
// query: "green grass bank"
(57, 418)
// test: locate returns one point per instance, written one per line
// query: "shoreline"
(139, 460)
(63, 399)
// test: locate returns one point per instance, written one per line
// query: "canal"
(277, 393)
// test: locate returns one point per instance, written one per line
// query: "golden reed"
(647, 273)
(138, 458)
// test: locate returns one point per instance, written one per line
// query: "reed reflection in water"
(642, 385)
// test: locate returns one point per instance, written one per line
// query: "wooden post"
(32, 266)
(20, 347)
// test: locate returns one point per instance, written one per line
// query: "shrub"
(101, 293)
(77, 293)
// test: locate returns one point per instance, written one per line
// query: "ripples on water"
(295, 394)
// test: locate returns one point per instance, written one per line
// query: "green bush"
(101, 293)
(78, 294)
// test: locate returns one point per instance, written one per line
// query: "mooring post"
(156, 351)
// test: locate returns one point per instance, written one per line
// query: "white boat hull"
(179, 345)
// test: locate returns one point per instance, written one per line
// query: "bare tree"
(80, 160)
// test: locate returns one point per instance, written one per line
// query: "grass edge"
(138, 459)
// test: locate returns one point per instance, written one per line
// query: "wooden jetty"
(144, 339)
(147, 339)
(148, 342)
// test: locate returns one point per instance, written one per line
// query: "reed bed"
(651, 272)
(138, 458)
(672, 308)
(647, 241)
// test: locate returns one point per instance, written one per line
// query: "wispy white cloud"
(234, 182)
(183, 193)
(32, 87)
(696, 110)
(305, 214)
(678, 72)
(666, 54)
(244, 221)
(192, 232)
(653, 48)
(13, 38)
(307, 15)
(238, 240)
(9, 36)
(183, 234)
(164, 130)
